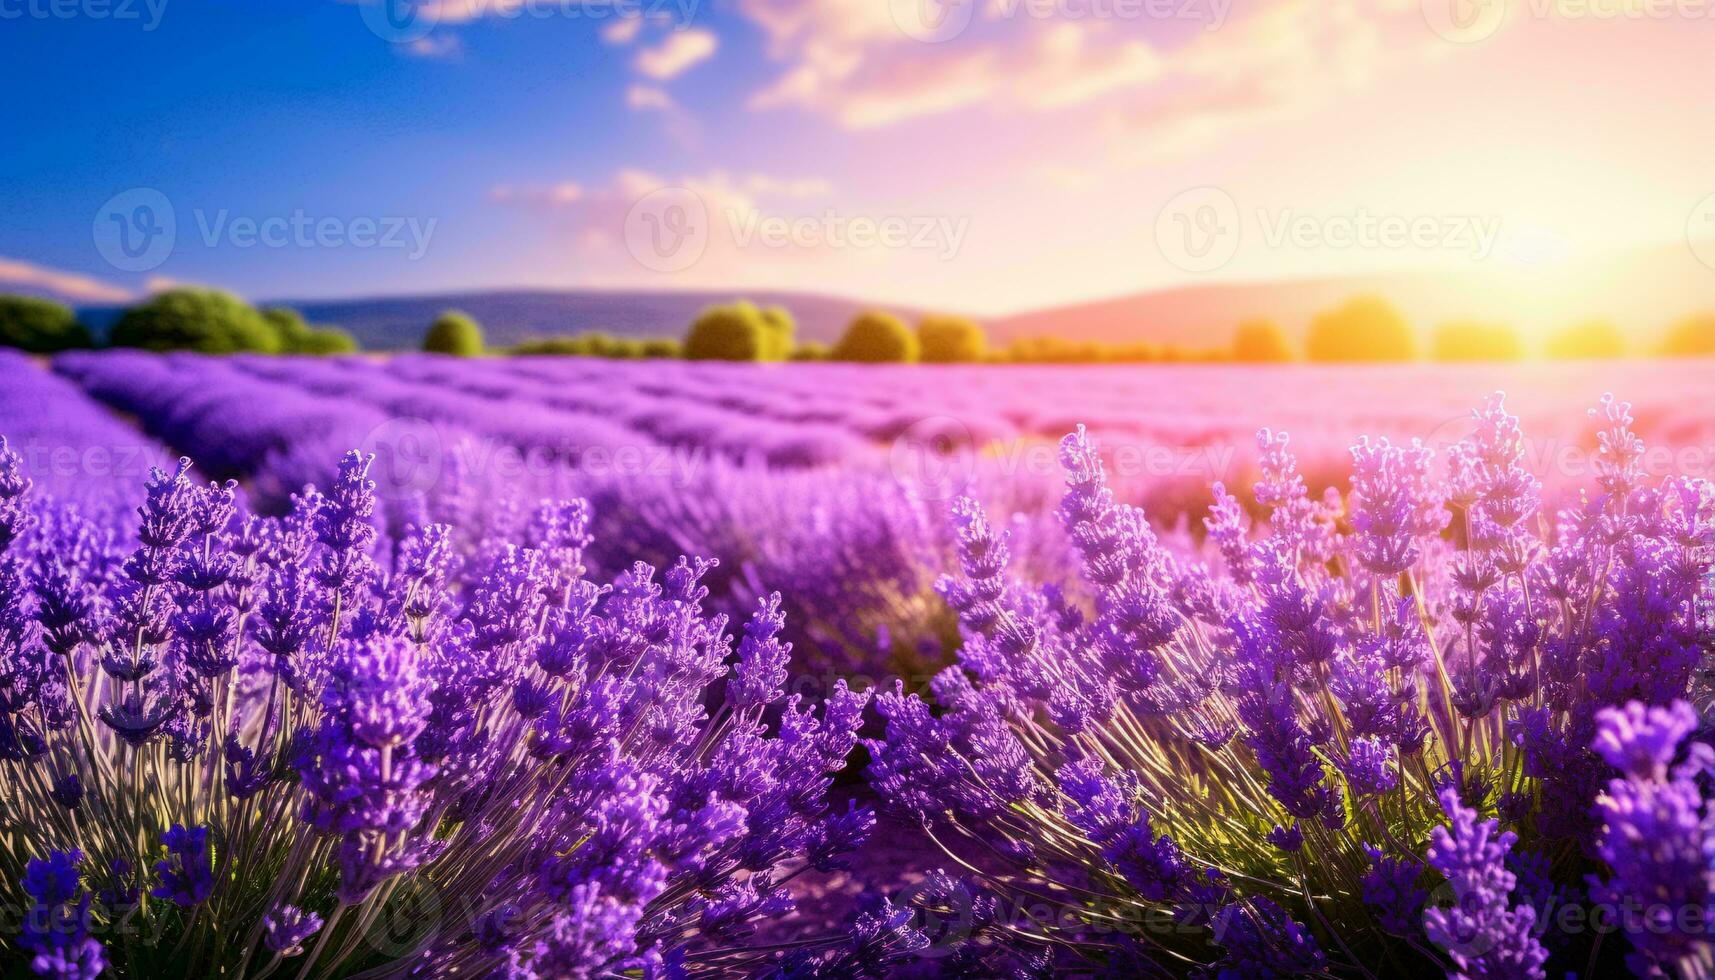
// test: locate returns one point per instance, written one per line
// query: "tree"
(324, 340)
(1693, 336)
(1472, 340)
(734, 332)
(810, 351)
(1366, 328)
(40, 326)
(1590, 339)
(298, 337)
(951, 340)
(1261, 342)
(778, 330)
(877, 338)
(662, 347)
(454, 333)
(203, 320)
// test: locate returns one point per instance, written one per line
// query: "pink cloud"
(679, 52)
(66, 285)
(648, 97)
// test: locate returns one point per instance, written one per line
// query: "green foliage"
(1590, 339)
(951, 340)
(778, 331)
(875, 337)
(454, 333)
(298, 337)
(663, 347)
(1366, 328)
(1473, 340)
(1261, 342)
(738, 332)
(39, 326)
(204, 320)
(596, 344)
(811, 350)
(1693, 336)
(324, 340)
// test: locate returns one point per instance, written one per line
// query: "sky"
(982, 156)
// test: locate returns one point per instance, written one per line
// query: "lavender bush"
(1424, 726)
(1434, 722)
(250, 746)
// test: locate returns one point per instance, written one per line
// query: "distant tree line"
(206, 321)
(1364, 329)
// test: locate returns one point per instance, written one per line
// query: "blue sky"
(1030, 156)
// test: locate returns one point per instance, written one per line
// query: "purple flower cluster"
(1404, 725)
(265, 736)
(1360, 727)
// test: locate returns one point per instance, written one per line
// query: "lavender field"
(591, 668)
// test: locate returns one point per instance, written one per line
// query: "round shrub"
(454, 333)
(1470, 340)
(877, 338)
(324, 340)
(298, 337)
(951, 340)
(734, 332)
(811, 351)
(1693, 336)
(1261, 342)
(39, 326)
(1367, 328)
(207, 321)
(778, 330)
(1587, 340)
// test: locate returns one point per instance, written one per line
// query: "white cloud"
(554, 195)
(849, 61)
(437, 46)
(676, 54)
(70, 286)
(648, 97)
(622, 30)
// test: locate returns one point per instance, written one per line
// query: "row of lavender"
(858, 545)
(810, 415)
(1435, 723)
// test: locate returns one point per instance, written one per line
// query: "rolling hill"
(1642, 290)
